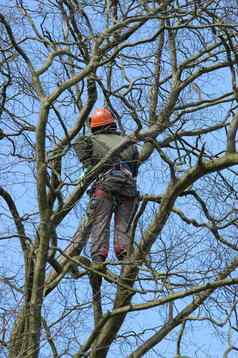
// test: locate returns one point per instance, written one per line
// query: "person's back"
(114, 190)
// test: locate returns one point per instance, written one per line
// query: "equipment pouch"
(118, 182)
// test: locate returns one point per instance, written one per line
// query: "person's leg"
(100, 208)
(124, 212)
(101, 212)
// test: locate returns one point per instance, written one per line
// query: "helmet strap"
(108, 128)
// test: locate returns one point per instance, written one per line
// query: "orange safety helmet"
(101, 117)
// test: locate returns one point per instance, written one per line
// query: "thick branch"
(17, 219)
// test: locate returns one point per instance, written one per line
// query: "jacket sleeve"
(135, 161)
(83, 147)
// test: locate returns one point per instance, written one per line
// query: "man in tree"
(114, 190)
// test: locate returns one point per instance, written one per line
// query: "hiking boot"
(98, 265)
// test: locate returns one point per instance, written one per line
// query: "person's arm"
(84, 150)
(135, 162)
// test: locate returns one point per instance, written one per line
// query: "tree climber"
(114, 190)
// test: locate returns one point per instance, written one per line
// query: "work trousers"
(101, 208)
